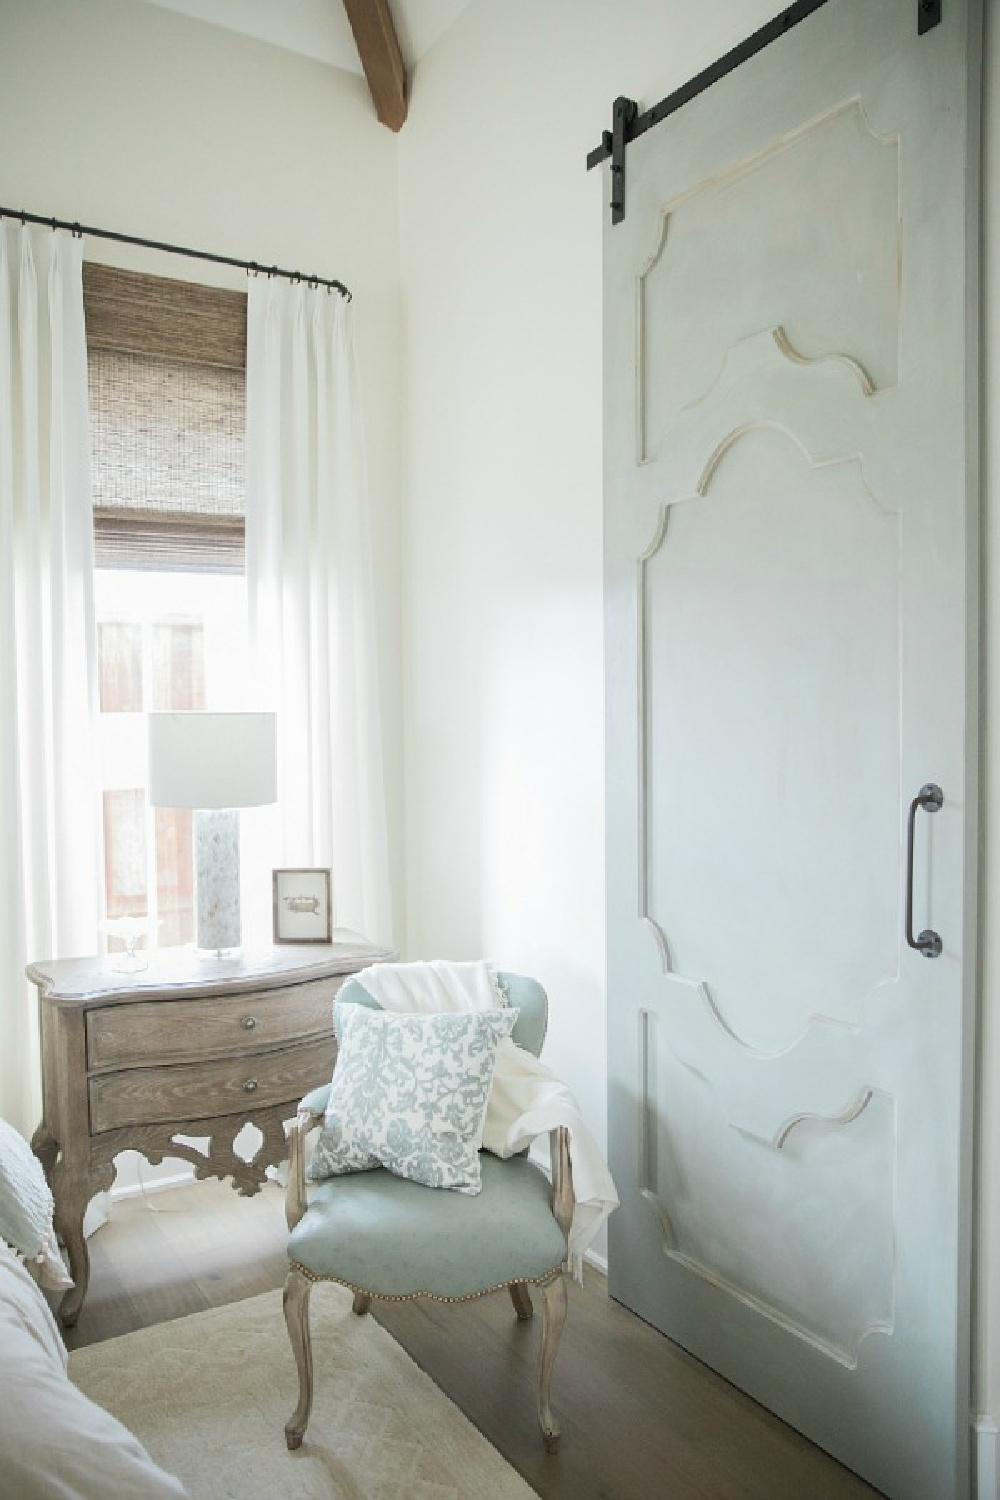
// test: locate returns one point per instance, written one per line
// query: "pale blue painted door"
(791, 406)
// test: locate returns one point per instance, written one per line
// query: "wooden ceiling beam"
(378, 47)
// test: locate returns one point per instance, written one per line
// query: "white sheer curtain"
(309, 582)
(50, 868)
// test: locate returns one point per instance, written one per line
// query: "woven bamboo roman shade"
(166, 374)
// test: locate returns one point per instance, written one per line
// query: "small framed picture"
(303, 906)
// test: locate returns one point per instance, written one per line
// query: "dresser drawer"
(140, 1031)
(198, 1091)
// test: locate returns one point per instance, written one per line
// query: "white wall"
(137, 119)
(501, 231)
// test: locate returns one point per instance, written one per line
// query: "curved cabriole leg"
(362, 1302)
(296, 1304)
(71, 1199)
(521, 1298)
(554, 1304)
(79, 1268)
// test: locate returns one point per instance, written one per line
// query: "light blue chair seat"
(381, 1234)
(384, 1236)
(524, 995)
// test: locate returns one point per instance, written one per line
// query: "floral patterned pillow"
(409, 1093)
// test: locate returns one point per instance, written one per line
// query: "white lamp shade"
(212, 760)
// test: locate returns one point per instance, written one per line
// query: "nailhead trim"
(538, 1281)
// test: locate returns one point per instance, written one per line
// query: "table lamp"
(214, 763)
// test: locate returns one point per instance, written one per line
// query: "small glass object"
(128, 930)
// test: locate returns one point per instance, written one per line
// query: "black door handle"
(930, 798)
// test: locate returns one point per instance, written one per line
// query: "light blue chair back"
(524, 995)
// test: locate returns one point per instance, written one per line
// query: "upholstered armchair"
(382, 1235)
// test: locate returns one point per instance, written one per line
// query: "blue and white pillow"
(409, 1093)
(26, 1211)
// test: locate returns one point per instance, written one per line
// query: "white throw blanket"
(525, 1099)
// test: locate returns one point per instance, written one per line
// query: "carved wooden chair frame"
(299, 1283)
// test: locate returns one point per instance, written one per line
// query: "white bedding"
(55, 1443)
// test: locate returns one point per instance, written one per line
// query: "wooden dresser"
(189, 1047)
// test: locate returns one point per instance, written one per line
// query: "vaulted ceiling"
(381, 39)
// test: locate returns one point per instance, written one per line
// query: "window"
(167, 394)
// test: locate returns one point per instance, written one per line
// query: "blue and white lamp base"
(217, 880)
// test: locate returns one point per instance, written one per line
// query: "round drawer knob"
(249, 1023)
(251, 1086)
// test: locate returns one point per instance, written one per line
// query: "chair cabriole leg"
(296, 1305)
(521, 1298)
(554, 1305)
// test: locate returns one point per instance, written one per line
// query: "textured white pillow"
(26, 1210)
(409, 1093)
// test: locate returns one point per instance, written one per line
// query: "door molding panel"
(772, 780)
(788, 349)
(794, 1289)
(766, 1093)
(840, 142)
(823, 402)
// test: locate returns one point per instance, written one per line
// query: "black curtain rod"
(132, 239)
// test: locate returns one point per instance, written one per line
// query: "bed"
(54, 1441)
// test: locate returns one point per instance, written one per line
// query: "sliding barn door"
(791, 624)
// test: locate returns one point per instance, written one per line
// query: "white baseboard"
(986, 1483)
(100, 1207)
(142, 1189)
(599, 1262)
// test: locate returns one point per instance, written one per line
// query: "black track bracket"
(628, 124)
(623, 118)
(928, 15)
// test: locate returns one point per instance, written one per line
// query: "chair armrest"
(317, 1099)
(563, 1197)
(295, 1133)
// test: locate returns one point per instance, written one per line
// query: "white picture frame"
(303, 906)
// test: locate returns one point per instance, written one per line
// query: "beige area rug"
(209, 1396)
